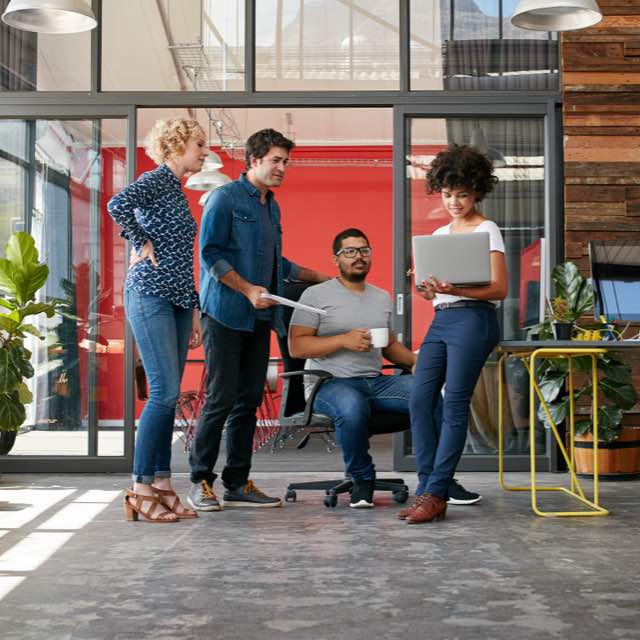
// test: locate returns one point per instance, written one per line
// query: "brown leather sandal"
(150, 508)
(175, 506)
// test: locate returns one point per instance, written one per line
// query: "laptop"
(463, 259)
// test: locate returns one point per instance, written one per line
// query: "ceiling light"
(556, 15)
(50, 16)
(207, 180)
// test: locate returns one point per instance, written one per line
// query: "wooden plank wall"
(601, 117)
(601, 95)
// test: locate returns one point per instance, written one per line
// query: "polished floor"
(70, 567)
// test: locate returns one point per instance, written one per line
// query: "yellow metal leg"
(575, 491)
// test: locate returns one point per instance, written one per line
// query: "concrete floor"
(72, 568)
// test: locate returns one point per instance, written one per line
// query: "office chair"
(297, 413)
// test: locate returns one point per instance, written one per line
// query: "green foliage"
(614, 377)
(21, 275)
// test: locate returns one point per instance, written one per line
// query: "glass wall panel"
(471, 45)
(43, 62)
(325, 45)
(60, 196)
(173, 45)
(516, 147)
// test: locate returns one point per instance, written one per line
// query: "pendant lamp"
(50, 16)
(556, 15)
(207, 180)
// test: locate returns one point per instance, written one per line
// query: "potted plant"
(614, 381)
(562, 318)
(21, 276)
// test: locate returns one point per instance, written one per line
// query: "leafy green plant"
(561, 310)
(21, 276)
(614, 376)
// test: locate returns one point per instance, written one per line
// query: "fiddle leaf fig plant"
(21, 276)
(614, 376)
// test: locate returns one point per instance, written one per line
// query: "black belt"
(465, 303)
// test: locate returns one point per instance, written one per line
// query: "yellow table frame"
(529, 359)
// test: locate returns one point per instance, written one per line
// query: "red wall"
(316, 203)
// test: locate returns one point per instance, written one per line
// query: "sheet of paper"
(291, 303)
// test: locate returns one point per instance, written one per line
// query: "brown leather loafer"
(428, 508)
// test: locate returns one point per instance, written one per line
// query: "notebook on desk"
(463, 259)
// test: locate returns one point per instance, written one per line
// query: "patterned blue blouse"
(155, 208)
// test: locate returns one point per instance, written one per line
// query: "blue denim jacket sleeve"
(290, 270)
(122, 207)
(215, 233)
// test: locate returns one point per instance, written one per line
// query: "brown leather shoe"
(429, 508)
(404, 513)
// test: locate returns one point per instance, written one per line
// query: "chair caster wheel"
(290, 496)
(401, 496)
(330, 501)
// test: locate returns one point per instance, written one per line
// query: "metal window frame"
(90, 463)
(550, 111)
(405, 102)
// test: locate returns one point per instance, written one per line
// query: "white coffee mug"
(379, 337)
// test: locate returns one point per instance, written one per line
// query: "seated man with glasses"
(340, 342)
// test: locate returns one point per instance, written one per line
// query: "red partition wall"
(330, 189)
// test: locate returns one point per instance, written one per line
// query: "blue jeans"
(453, 353)
(350, 402)
(162, 331)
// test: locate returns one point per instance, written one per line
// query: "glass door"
(56, 176)
(516, 145)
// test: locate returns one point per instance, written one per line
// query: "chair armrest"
(404, 370)
(302, 421)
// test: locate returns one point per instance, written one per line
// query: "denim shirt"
(154, 208)
(231, 239)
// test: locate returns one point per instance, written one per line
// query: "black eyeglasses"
(351, 252)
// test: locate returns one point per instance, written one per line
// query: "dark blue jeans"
(162, 331)
(237, 364)
(453, 353)
(350, 402)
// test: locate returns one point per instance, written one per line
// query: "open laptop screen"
(615, 271)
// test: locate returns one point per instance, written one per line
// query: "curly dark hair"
(461, 166)
(259, 144)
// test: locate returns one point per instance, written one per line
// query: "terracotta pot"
(7, 438)
(618, 458)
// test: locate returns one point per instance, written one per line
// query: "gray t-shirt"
(346, 310)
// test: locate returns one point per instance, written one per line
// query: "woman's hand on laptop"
(438, 286)
(426, 290)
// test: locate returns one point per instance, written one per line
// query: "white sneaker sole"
(241, 503)
(197, 508)
(362, 504)
(464, 502)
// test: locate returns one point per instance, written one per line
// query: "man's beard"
(354, 277)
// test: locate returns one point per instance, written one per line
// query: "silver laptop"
(463, 259)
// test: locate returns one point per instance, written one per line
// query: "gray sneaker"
(249, 496)
(202, 498)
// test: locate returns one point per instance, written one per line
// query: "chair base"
(333, 488)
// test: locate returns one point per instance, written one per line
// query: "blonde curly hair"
(168, 138)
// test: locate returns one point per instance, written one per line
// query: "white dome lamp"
(207, 180)
(50, 16)
(556, 15)
(212, 161)
(479, 141)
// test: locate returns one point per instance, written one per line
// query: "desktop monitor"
(615, 271)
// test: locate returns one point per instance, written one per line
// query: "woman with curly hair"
(462, 334)
(161, 304)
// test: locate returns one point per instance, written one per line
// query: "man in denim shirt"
(240, 259)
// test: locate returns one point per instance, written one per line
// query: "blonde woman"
(161, 304)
